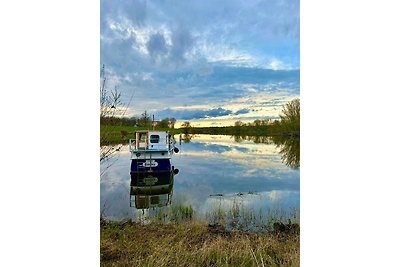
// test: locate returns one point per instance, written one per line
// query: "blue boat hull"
(157, 165)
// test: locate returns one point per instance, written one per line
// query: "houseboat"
(151, 153)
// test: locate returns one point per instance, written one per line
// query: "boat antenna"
(153, 122)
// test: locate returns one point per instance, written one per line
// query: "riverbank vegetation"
(120, 134)
(120, 130)
(287, 125)
(114, 130)
(195, 244)
(226, 236)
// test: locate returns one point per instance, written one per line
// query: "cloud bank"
(230, 58)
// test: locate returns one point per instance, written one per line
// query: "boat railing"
(169, 142)
(132, 144)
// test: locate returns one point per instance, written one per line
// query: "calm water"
(217, 173)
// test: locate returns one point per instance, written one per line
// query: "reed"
(226, 236)
(194, 243)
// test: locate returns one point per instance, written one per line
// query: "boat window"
(142, 136)
(154, 138)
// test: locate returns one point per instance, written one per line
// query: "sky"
(208, 62)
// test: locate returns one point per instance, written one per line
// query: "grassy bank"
(196, 244)
(115, 134)
(242, 131)
(112, 134)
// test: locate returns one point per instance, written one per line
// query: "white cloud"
(276, 64)
(170, 55)
(229, 56)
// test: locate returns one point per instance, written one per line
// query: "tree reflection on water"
(186, 138)
(255, 139)
(290, 150)
(289, 147)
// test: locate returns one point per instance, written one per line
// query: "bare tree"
(110, 106)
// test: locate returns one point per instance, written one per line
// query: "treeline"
(143, 121)
(276, 128)
(288, 125)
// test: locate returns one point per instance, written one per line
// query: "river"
(252, 178)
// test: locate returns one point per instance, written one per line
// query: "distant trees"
(172, 122)
(119, 121)
(260, 122)
(186, 126)
(287, 125)
(164, 123)
(290, 119)
(239, 124)
(144, 120)
(256, 123)
(167, 123)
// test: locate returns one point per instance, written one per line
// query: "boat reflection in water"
(152, 173)
(151, 190)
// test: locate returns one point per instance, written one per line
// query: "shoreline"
(111, 134)
(196, 243)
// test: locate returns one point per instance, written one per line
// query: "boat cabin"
(152, 140)
(151, 152)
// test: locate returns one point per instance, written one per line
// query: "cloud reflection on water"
(248, 172)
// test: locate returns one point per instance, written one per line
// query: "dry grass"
(196, 244)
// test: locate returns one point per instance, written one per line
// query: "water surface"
(217, 173)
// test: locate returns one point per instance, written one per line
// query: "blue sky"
(208, 62)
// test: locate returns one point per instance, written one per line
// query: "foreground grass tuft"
(196, 244)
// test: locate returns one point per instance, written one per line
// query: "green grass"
(270, 130)
(235, 217)
(111, 134)
(194, 243)
(177, 236)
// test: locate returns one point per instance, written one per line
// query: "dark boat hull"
(155, 165)
(151, 189)
(151, 178)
